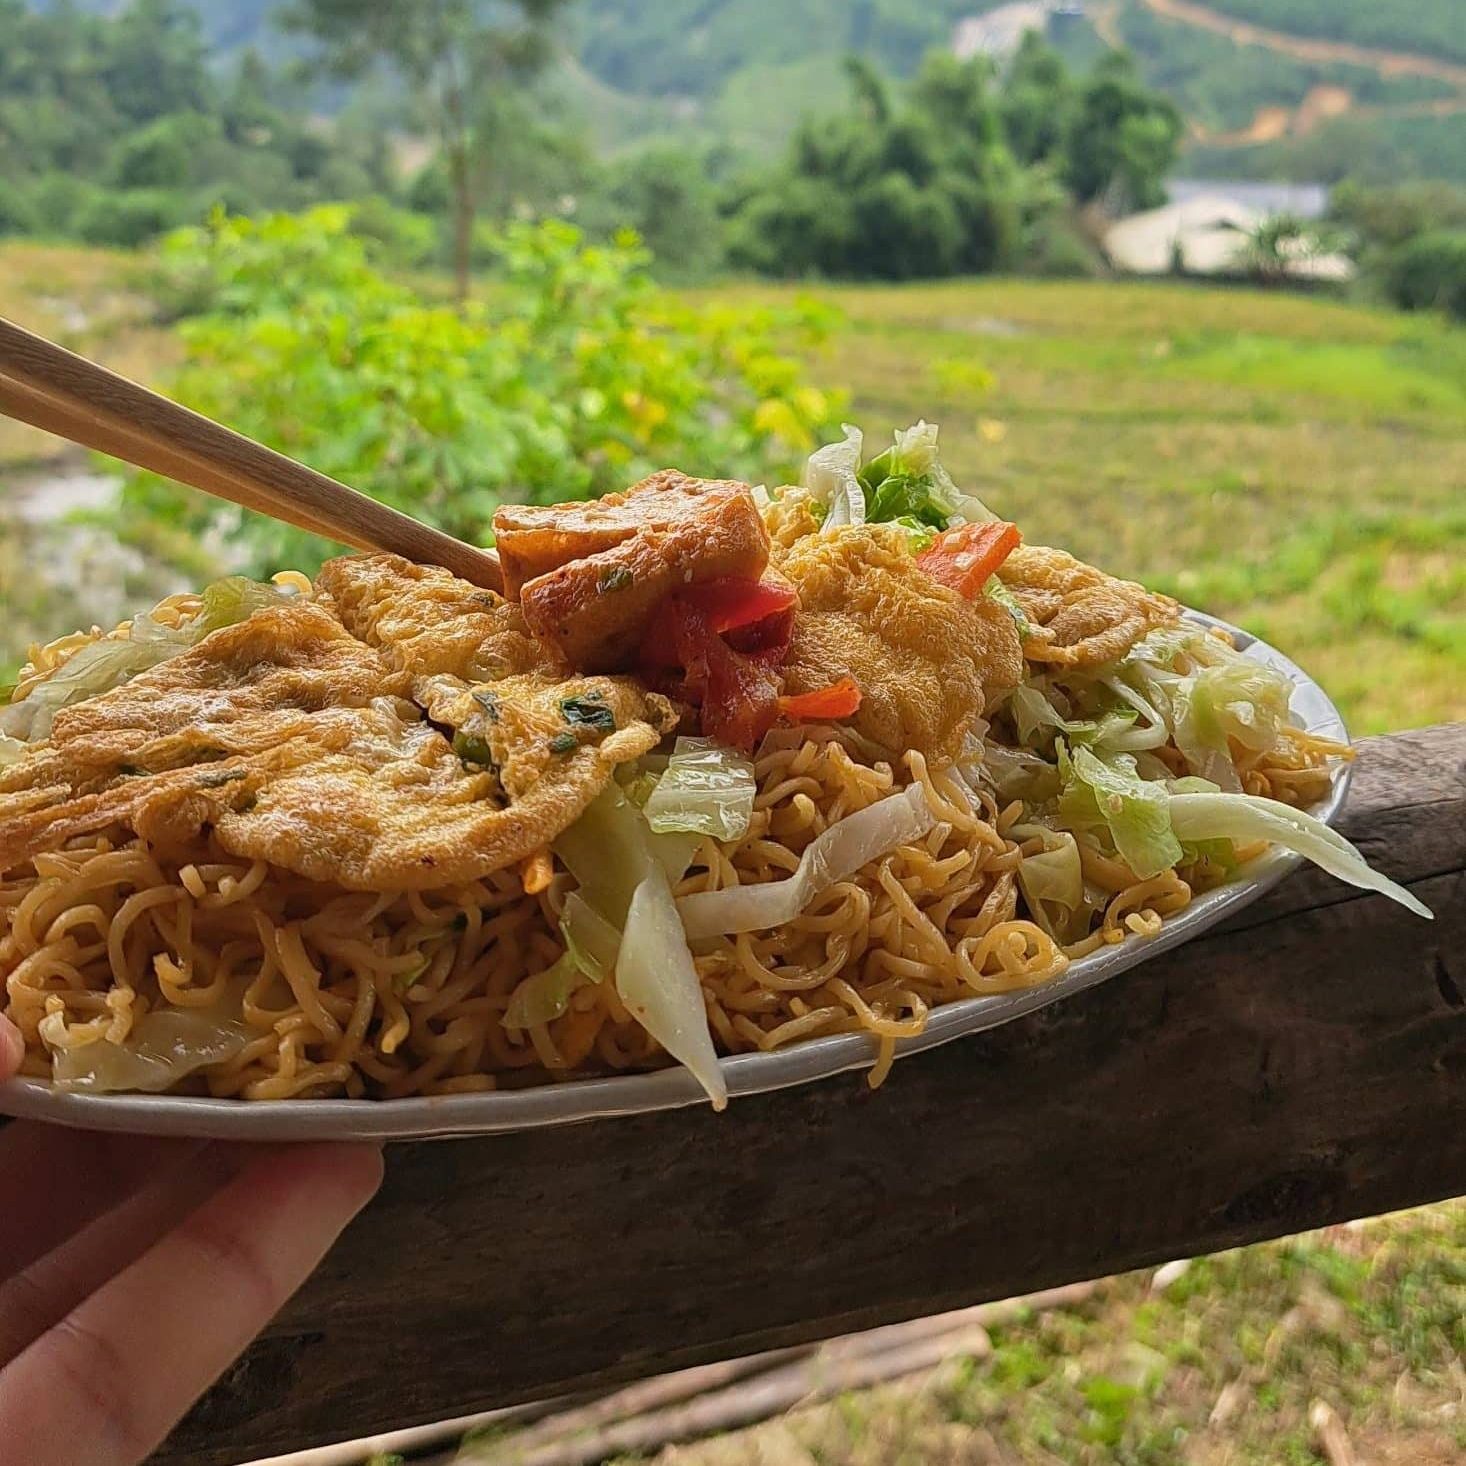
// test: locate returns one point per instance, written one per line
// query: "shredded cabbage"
(1245, 817)
(1037, 720)
(544, 996)
(1053, 883)
(909, 479)
(831, 475)
(164, 1046)
(995, 590)
(1112, 794)
(839, 852)
(1016, 773)
(591, 945)
(102, 665)
(590, 939)
(658, 983)
(624, 880)
(1241, 700)
(708, 789)
(232, 600)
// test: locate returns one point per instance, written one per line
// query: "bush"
(1387, 216)
(160, 155)
(129, 217)
(1429, 273)
(581, 377)
(665, 195)
(398, 236)
(1057, 248)
(17, 213)
(56, 199)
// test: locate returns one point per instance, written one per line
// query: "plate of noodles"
(726, 789)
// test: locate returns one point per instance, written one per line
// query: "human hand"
(133, 1271)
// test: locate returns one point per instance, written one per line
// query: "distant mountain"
(1270, 88)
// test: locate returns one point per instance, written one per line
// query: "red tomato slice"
(729, 638)
(728, 604)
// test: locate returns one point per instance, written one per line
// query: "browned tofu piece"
(534, 539)
(593, 603)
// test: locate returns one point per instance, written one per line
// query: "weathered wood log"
(1302, 1065)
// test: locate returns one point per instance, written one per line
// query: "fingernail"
(12, 1048)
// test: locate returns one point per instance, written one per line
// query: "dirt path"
(1322, 104)
(1244, 33)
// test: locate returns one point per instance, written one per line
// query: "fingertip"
(351, 1172)
(12, 1048)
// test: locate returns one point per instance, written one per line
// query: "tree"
(1038, 100)
(1275, 246)
(450, 54)
(1122, 139)
(890, 188)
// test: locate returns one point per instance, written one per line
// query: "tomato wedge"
(719, 646)
(737, 693)
(729, 604)
(754, 615)
(965, 557)
(839, 700)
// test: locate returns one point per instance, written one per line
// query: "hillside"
(1270, 88)
(1429, 27)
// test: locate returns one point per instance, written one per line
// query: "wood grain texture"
(1303, 1065)
(54, 389)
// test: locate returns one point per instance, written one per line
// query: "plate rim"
(579, 1101)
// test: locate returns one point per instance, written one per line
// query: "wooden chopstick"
(54, 389)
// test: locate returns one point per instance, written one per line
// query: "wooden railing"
(1303, 1064)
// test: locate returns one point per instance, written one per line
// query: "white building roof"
(1207, 235)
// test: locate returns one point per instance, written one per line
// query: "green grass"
(1366, 1318)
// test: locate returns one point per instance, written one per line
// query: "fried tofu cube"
(589, 576)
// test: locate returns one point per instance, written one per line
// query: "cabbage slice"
(707, 790)
(1237, 699)
(660, 986)
(624, 880)
(544, 996)
(102, 665)
(1052, 883)
(831, 475)
(839, 852)
(165, 1046)
(1245, 817)
(909, 479)
(1134, 810)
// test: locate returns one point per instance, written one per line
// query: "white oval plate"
(449, 1115)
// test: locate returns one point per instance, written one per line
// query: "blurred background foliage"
(808, 139)
(573, 375)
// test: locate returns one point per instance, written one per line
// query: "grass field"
(1226, 1364)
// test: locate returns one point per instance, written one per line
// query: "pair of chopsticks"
(54, 389)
